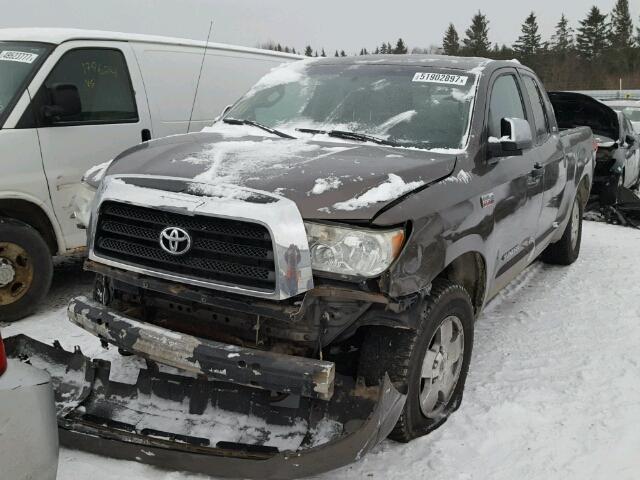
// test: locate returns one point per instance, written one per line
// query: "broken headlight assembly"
(352, 251)
(82, 202)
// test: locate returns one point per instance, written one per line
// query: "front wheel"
(26, 269)
(566, 250)
(429, 364)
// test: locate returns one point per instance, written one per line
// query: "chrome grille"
(229, 251)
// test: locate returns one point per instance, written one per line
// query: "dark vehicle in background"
(618, 157)
(28, 429)
(316, 261)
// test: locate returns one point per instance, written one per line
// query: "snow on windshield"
(412, 105)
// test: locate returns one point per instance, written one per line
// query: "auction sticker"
(445, 78)
(14, 56)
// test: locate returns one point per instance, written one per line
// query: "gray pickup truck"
(303, 278)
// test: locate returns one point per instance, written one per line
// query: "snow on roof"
(61, 35)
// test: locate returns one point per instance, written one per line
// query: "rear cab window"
(539, 109)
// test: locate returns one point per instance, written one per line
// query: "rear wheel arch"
(33, 215)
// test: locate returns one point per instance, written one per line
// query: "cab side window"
(102, 81)
(506, 102)
(540, 115)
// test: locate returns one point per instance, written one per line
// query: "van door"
(112, 115)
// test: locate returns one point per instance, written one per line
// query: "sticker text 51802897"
(445, 78)
(13, 56)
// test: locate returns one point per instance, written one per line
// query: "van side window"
(506, 102)
(102, 80)
(540, 115)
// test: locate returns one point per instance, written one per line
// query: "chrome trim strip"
(281, 217)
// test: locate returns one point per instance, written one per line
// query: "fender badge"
(487, 200)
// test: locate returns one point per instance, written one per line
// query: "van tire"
(28, 261)
(401, 354)
(566, 250)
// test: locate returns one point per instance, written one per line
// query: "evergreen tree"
(621, 25)
(308, 51)
(593, 34)
(529, 43)
(365, 51)
(451, 41)
(342, 53)
(337, 54)
(389, 48)
(477, 41)
(361, 51)
(323, 54)
(293, 50)
(383, 49)
(315, 54)
(401, 48)
(377, 51)
(562, 40)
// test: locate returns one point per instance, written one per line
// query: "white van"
(71, 99)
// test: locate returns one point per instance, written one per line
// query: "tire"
(26, 269)
(401, 353)
(566, 250)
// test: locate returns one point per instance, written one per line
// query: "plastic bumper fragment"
(200, 425)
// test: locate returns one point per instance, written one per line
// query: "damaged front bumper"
(189, 421)
(220, 361)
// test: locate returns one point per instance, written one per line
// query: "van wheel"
(26, 269)
(566, 250)
(429, 364)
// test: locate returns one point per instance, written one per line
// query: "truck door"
(551, 181)
(111, 116)
(515, 181)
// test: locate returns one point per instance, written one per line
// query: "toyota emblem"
(175, 240)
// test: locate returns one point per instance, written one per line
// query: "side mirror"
(224, 112)
(65, 102)
(516, 137)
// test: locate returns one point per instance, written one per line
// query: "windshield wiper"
(350, 135)
(253, 123)
(363, 137)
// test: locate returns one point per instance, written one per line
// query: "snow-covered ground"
(553, 391)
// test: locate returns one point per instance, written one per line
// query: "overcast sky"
(332, 24)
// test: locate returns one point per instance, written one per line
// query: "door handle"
(145, 134)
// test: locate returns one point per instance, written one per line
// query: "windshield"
(17, 62)
(411, 106)
(632, 113)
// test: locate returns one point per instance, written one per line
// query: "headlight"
(352, 251)
(82, 203)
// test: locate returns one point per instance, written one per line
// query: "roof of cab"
(469, 64)
(61, 35)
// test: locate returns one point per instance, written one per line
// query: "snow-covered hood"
(326, 179)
